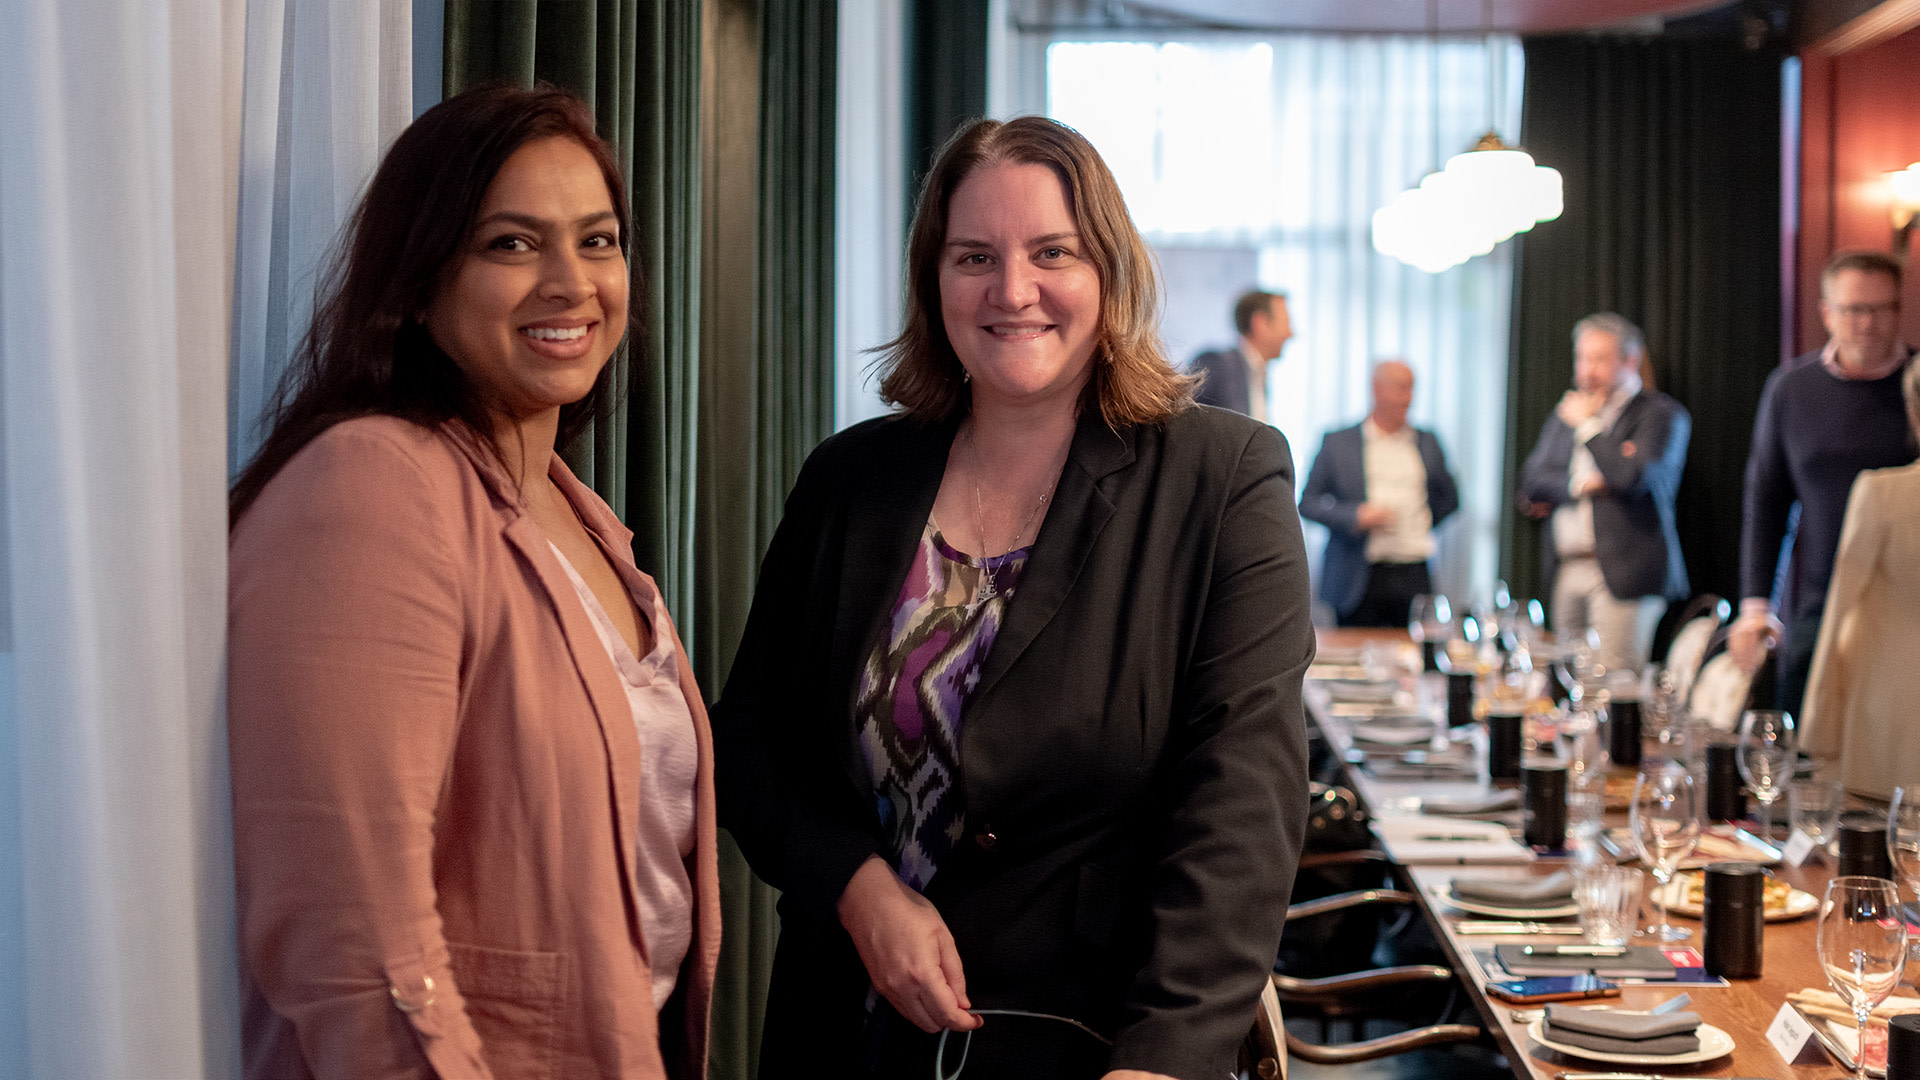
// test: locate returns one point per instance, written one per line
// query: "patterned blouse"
(914, 692)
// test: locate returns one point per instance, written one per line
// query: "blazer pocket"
(514, 1001)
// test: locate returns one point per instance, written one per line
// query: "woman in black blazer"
(1016, 721)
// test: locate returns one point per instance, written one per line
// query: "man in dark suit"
(1604, 475)
(1380, 487)
(1236, 376)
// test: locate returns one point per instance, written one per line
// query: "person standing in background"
(1605, 474)
(1380, 487)
(1823, 418)
(1236, 376)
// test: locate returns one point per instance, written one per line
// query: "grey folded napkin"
(1613, 1032)
(1555, 888)
(1507, 799)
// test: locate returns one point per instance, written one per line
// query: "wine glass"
(1903, 842)
(1765, 758)
(1575, 664)
(1583, 739)
(1863, 947)
(1428, 620)
(1665, 822)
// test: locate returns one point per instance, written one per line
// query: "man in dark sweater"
(1823, 418)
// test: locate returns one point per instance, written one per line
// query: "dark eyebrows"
(1050, 238)
(528, 221)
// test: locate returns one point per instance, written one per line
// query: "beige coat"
(436, 781)
(1859, 706)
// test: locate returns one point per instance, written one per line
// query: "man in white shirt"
(1236, 377)
(1605, 474)
(1379, 487)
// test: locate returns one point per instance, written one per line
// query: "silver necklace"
(987, 588)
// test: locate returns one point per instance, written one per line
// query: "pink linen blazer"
(436, 781)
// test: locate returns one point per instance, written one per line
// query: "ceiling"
(1386, 16)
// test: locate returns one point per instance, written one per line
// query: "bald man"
(1380, 487)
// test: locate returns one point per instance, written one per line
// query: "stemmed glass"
(1429, 619)
(1903, 841)
(1765, 758)
(1665, 822)
(1863, 947)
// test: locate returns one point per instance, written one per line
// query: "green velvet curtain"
(723, 114)
(1670, 152)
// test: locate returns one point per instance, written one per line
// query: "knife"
(1640, 1076)
(1472, 927)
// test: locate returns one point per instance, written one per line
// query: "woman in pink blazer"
(472, 775)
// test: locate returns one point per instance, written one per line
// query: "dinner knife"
(1473, 927)
(1640, 1076)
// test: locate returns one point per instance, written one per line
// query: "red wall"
(1860, 117)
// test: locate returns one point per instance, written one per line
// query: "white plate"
(1392, 734)
(1799, 904)
(1475, 907)
(1714, 1043)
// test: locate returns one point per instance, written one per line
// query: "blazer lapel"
(1080, 513)
(611, 709)
(883, 525)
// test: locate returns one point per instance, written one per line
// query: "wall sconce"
(1904, 188)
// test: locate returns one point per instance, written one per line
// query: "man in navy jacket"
(1380, 487)
(1236, 376)
(1605, 474)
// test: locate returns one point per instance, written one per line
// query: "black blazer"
(1226, 384)
(1640, 457)
(1133, 762)
(1337, 485)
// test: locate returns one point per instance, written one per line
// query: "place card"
(1797, 849)
(1793, 1038)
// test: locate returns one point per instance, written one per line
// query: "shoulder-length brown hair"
(1132, 380)
(366, 351)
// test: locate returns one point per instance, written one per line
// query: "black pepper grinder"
(1903, 1047)
(1733, 919)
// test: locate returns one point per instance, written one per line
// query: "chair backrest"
(1265, 1050)
(1720, 692)
(1689, 648)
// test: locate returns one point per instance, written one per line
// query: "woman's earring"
(965, 376)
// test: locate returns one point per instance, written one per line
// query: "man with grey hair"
(1604, 474)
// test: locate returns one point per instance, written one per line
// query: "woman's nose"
(1017, 285)
(564, 275)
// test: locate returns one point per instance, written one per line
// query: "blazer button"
(985, 840)
(415, 999)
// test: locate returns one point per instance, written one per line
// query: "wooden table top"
(1744, 1009)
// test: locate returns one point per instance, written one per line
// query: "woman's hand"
(906, 948)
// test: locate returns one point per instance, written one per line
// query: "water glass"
(1765, 758)
(1903, 836)
(1584, 810)
(1862, 946)
(1609, 900)
(1813, 807)
(1583, 738)
(1665, 822)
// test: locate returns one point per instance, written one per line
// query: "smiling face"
(1019, 297)
(537, 299)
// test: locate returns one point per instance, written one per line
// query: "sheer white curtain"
(329, 83)
(869, 202)
(1259, 161)
(118, 143)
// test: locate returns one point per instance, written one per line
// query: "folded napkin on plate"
(1472, 804)
(1614, 1032)
(1556, 887)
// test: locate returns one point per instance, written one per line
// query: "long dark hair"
(366, 352)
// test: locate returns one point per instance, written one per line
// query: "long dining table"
(1744, 1009)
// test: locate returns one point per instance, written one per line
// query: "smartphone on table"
(1553, 988)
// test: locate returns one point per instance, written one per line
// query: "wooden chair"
(1268, 1045)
